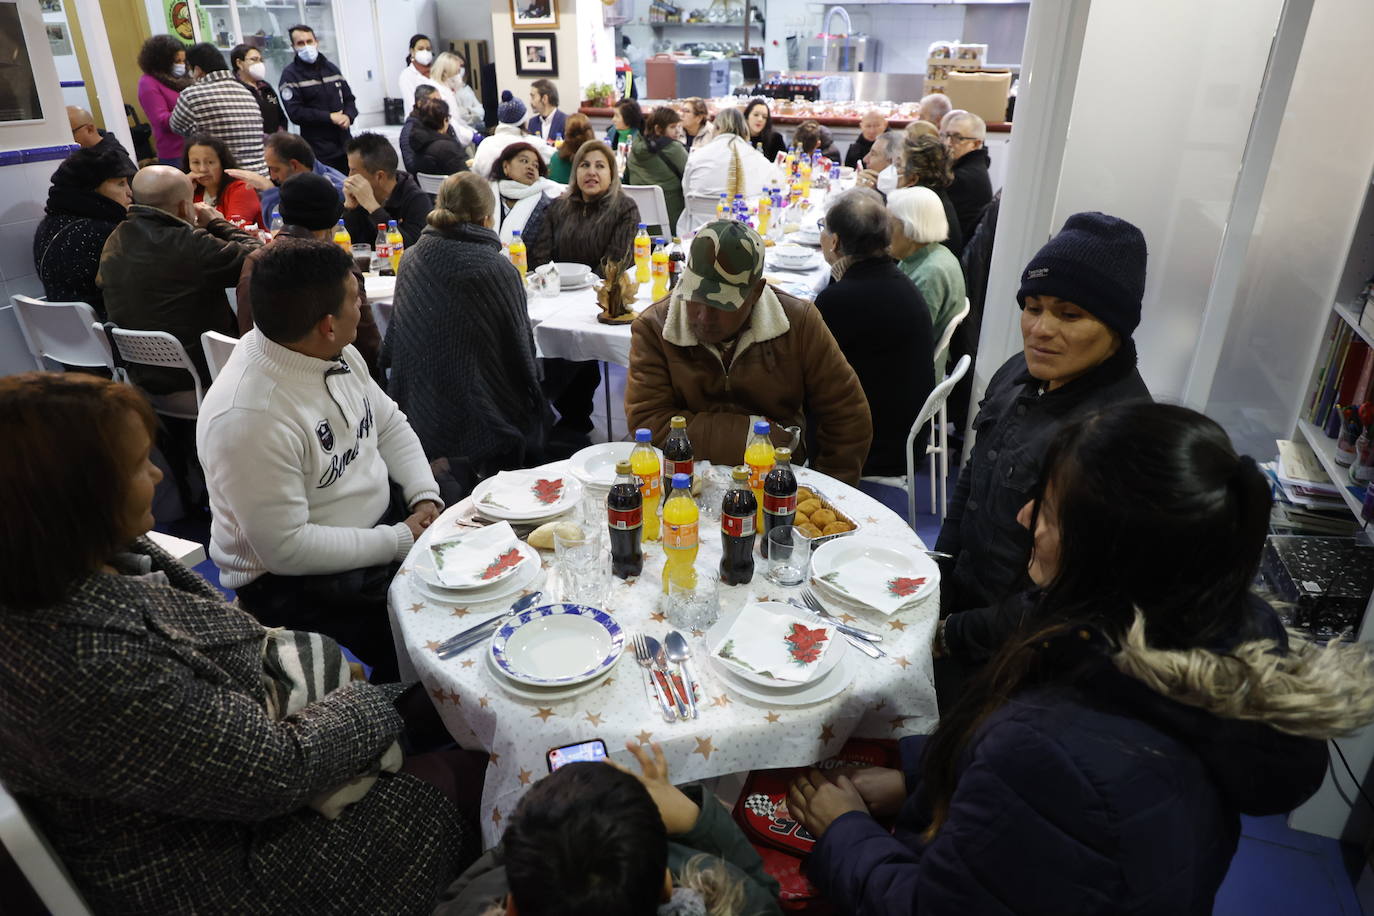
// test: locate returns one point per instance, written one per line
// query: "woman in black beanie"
(1080, 303)
(88, 198)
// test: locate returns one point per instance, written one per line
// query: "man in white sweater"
(300, 448)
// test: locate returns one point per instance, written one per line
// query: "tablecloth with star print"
(889, 697)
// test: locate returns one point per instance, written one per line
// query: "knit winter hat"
(310, 201)
(86, 168)
(511, 110)
(1096, 261)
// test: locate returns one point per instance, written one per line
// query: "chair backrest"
(697, 211)
(218, 348)
(232, 294)
(940, 393)
(942, 348)
(429, 183)
(62, 331)
(36, 859)
(653, 208)
(155, 348)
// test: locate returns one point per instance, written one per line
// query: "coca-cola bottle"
(779, 495)
(625, 519)
(737, 530)
(677, 450)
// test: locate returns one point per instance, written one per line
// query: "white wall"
(586, 50)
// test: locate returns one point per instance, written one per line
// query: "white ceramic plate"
(882, 575)
(429, 582)
(718, 632)
(800, 258)
(816, 691)
(541, 695)
(557, 645)
(574, 276)
(566, 497)
(594, 466)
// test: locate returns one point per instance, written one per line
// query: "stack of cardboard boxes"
(958, 70)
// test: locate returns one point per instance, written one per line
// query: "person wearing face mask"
(726, 349)
(163, 62)
(89, 197)
(221, 106)
(449, 73)
(319, 99)
(416, 72)
(166, 267)
(249, 68)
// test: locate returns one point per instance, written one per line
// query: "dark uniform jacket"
(311, 92)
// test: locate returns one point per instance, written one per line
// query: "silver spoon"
(661, 663)
(680, 653)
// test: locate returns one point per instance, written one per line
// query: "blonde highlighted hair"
(463, 198)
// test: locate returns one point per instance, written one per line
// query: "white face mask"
(258, 71)
(424, 58)
(459, 78)
(178, 69)
(309, 53)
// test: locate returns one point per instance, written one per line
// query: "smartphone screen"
(587, 752)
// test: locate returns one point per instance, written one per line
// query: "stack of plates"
(574, 276)
(870, 574)
(554, 652)
(594, 466)
(828, 677)
(527, 497)
(514, 575)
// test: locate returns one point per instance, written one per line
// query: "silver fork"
(863, 645)
(660, 692)
(815, 605)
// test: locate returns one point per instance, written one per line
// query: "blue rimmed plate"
(557, 644)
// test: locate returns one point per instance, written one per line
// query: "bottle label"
(779, 505)
(625, 519)
(737, 526)
(756, 475)
(671, 467)
(650, 487)
(680, 537)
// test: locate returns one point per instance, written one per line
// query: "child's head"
(587, 839)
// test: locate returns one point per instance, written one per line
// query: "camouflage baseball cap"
(723, 264)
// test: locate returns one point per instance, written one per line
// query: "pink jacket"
(158, 101)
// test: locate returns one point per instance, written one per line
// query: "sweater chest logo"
(325, 433)
(339, 462)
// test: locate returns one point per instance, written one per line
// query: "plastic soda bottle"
(658, 268)
(804, 175)
(649, 475)
(397, 243)
(779, 495)
(517, 253)
(277, 224)
(739, 209)
(642, 253)
(625, 519)
(758, 455)
(765, 210)
(381, 249)
(722, 205)
(342, 238)
(677, 451)
(680, 536)
(737, 530)
(676, 260)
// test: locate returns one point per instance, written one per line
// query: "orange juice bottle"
(649, 473)
(398, 244)
(758, 455)
(680, 535)
(804, 176)
(342, 238)
(765, 211)
(642, 254)
(659, 270)
(517, 253)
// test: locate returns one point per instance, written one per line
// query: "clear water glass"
(789, 556)
(692, 606)
(584, 567)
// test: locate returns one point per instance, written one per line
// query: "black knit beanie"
(511, 110)
(310, 201)
(1097, 262)
(86, 168)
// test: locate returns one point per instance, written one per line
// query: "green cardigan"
(663, 168)
(940, 279)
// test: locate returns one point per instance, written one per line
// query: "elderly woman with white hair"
(729, 165)
(919, 226)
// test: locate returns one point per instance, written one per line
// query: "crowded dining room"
(623, 457)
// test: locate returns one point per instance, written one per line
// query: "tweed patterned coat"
(135, 730)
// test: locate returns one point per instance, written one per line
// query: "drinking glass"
(362, 257)
(692, 606)
(789, 555)
(584, 568)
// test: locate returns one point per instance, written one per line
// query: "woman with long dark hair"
(658, 157)
(163, 62)
(765, 138)
(209, 162)
(1101, 761)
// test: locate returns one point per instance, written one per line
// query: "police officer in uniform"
(319, 99)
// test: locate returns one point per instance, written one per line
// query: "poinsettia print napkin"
(523, 492)
(775, 644)
(477, 558)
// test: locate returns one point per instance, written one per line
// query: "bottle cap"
(515, 233)
(682, 482)
(678, 422)
(643, 226)
(659, 241)
(740, 473)
(643, 435)
(782, 454)
(761, 427)
(623, 467)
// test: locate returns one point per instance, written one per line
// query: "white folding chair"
(158, 348)
(62, 331)
(232, 294)
(218, 348)
(942, 348)
(698, 210)
(933, 412)
(36, 859)
(653, 208)
(429, 183)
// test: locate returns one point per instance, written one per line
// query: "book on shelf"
(1298, 466)
(1335, 360)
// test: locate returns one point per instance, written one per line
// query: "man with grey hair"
(880, 165)
(165, 268)
(934, 107)
(964, 135)
(881, 322)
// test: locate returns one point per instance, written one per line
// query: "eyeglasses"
(957, 138)
(820, 224)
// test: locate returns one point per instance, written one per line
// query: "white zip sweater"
(297, 452)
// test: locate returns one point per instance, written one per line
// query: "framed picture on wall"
(534, 14)
(536, 54)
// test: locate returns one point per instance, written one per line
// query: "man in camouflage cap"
(726, 349)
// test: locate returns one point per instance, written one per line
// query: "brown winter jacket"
(786, 367)
(588, 232)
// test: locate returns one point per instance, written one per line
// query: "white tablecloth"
(889, 698)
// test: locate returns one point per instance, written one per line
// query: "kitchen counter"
(896, 121)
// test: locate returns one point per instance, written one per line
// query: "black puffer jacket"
(1015, 424)
(68, 242)
(434, 153)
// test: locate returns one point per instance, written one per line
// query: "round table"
(888, 698)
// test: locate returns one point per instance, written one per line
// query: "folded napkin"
(523, 492)
(476, 558)
(872, 583)
(775, 644)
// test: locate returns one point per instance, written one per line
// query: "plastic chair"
(158, 348)
(429, 183)
(218, 348)
(36, 859)
(232, 294)
(653, 208)
(942, 348)
(62, 331)
(933, 408)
